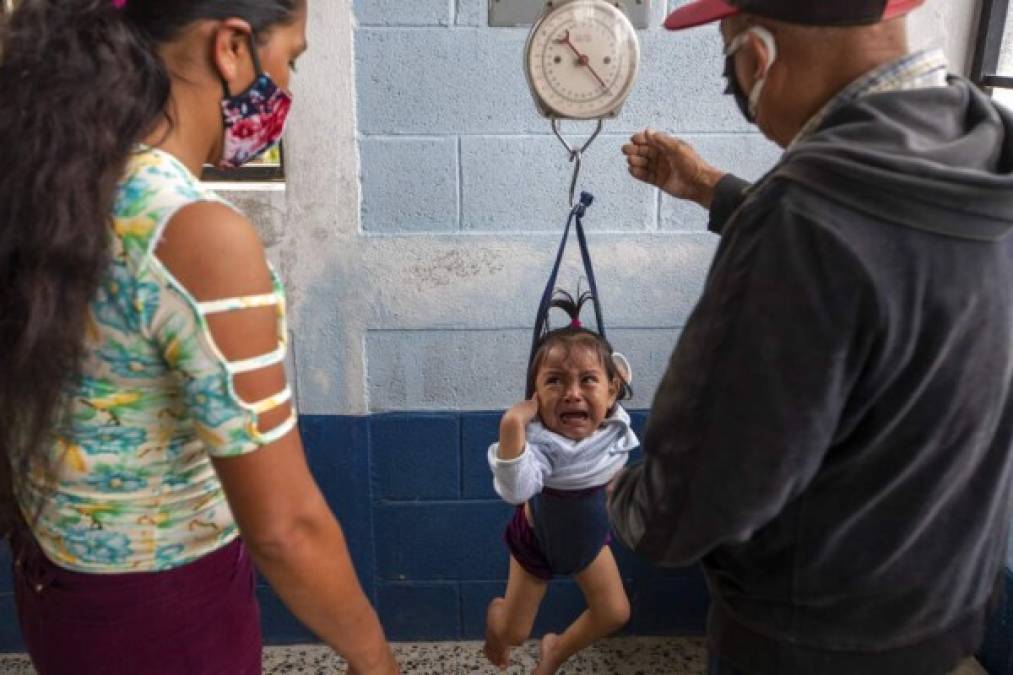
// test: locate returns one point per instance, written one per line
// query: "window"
(992, 67)
(268, 167)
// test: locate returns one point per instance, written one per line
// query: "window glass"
(1006, 53)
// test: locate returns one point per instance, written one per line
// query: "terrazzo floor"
(640, 656)
(621, 656)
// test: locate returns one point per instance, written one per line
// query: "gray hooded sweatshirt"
(832, 438)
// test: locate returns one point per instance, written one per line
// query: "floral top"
(134, 488)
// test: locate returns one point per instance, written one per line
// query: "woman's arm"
(298, 545)
(285, 521)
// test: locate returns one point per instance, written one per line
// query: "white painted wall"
(950, 24)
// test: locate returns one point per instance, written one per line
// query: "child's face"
(574, 392)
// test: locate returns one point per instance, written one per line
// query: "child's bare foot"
(496, 649)
(547, 661)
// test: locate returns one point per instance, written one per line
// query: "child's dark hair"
(575, 334)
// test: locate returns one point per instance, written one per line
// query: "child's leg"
(607, 611)
(508, 620)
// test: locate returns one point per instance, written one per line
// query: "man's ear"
(761, 56)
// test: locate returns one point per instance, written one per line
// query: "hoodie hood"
(615, 432)
(935, 159)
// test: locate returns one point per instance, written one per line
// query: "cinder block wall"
(452, 151)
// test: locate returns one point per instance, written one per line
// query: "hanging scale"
(581, 61)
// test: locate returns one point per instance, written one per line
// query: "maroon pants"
(199, 619)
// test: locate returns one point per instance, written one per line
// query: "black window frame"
(248, 174)
(988, 48)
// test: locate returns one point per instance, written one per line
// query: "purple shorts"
(198, 619)
(570, 529)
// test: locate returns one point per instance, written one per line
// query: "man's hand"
(513, 428)
(672, 165)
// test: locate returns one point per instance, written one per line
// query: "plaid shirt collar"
(920, 70)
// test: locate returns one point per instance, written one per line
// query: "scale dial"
(582, 60)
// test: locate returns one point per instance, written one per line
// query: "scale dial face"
(582, 60)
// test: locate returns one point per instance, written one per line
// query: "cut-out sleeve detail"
(278, 432)
(272, 402)
(226, 423)
(258, 362)
(237, 304)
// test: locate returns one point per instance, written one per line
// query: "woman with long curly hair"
(149, 443)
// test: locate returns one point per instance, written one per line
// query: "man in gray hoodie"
(832, 438)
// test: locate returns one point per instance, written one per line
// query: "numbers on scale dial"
(583, 62)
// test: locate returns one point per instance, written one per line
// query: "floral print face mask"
(255, 119)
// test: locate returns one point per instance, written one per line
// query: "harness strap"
(575, 221)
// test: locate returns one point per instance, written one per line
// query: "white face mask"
(768, 40)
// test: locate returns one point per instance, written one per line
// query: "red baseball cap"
(807, 12)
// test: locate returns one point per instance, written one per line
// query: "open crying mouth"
(574, 416)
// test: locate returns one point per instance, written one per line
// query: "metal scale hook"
(576, 153)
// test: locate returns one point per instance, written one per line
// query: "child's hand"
(513, 428)
(525, 411)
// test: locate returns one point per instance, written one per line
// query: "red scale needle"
(582, 59)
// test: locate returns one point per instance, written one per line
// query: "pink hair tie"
(119, 4)
(576, 324)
